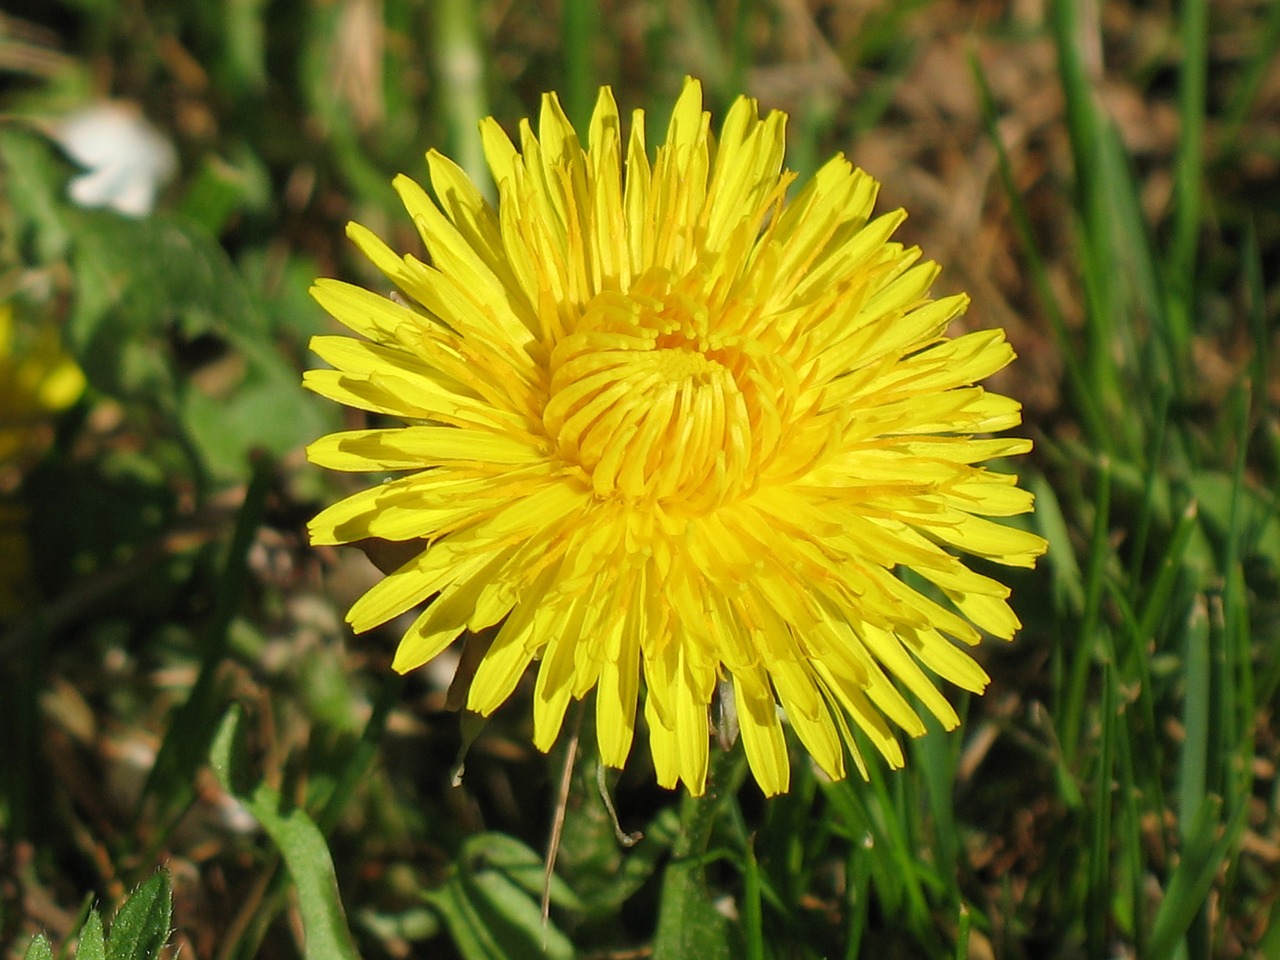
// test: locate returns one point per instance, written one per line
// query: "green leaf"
(301, 844)
(497, 853)
(163, 316)
(490, 902)
(39, 949)
(1207, 844)
(689, 924)
(141, 926)
(602, 873)
(35, 179)
(266, 410)
(92, 944)
(142, 284)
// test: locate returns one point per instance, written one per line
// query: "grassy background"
(1101, 177)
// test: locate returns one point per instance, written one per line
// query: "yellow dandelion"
(37, 379)
(675, 434)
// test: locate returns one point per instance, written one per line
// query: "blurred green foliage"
(1097, 801)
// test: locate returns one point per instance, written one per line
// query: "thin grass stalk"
(1146, 507)
(1194, 779)
(578, 28)
(1237, 709)
(935, 764)
(193, 725)
(1098, 895)
(1259, 361)
(1071, 702)
(1097, 260)
(858, 868)
(1188, 174)
(460, 59)
(1135, 674)
(1083, 397)
(1159, 596)
(1193, 785)
(1130, 847)
(1255, 71)
(740, 47)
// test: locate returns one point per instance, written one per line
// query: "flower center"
(656, 399)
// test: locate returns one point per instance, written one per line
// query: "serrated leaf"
(39, 949)
(141, 925)
(92, 946)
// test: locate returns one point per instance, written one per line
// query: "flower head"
(674, 433)
(37, 379)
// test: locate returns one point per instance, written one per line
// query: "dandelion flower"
(37, 380)
(669, 432)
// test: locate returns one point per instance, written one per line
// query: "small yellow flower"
(36, 379)
(675, 433)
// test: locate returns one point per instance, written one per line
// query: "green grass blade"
(752, 913)
(1171, 568)
(1193, 760)
(963, 926)
(1097, 264)
(357, 763)
(1146, 506)
(740, 47)
(934, 761)
(1207, 845)
(1083, 397)
(578, 25)
(460, 58)
(1256, 294)
(1188, 169)
(1260, 61)
(1081, 657)
(1068, 581)
(192, 728)
(1129, 866)
(1098, 899)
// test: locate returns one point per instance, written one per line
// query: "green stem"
(688, 923)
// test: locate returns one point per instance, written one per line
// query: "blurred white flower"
(127, 160)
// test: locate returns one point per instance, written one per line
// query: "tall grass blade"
(1207, 845)
(1083, 397)
(578, 25)
(192, 728)
(1079, 659)
(1260, 61)
(1189, 171)
(460, 58)
(1098, 899)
